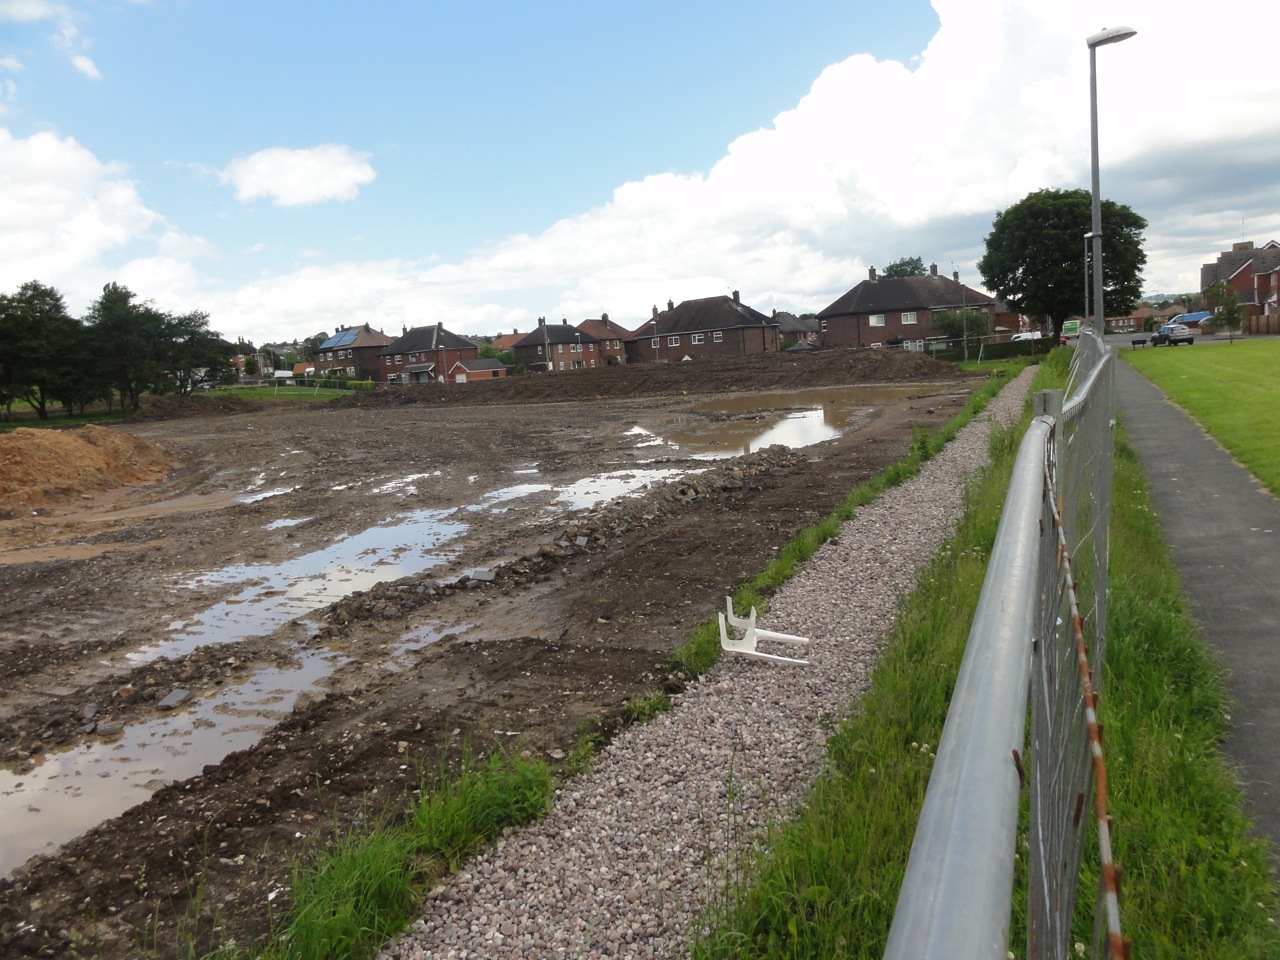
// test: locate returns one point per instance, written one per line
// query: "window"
(717, 336)
(560, 349)
(822, 325)
(399, 358)
(697, 338)
(655, 343)
(877, 346)
(539, 349)
(561, 364)
(909, 317)
(387, 361)
(673, 341)
(876, 320)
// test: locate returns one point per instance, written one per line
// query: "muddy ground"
(538, 621)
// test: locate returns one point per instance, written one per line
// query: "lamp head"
(1112, 35)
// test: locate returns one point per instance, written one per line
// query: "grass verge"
(1231, 389)
(1195, 882)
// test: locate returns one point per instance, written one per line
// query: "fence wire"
(1039, 633)
(1067, 772)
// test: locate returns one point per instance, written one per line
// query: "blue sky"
(291, 167)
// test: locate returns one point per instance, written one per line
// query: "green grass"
(364, 885)
(1232, 389)
(1195, 883)
(277, 392)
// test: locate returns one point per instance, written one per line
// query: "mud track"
(539, 621)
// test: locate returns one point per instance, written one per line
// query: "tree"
(195, 354)
(906, 267)
(38, 334)
(1228, 311)
(1035, 255)
(312, 343)
(963, 325)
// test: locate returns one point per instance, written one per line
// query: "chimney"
(604, 318)
(564, 321)
(774, 314)
(1242, 246)
(735, 297)
(403, 330)
(933, 269)
(542, 322)
(871, 273)
(955, 275)
(670, 306)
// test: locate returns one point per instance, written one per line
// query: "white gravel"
(633, 850)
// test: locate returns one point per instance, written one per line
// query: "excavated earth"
(498, 613)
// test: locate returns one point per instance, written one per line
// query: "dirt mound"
(40, 468)
(172, 406)
(772, 371)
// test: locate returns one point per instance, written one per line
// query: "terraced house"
(426, 355)
(696, 329)
(352, 352)
(557, 347)
(896, 311)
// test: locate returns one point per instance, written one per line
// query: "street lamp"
(1087, 237)
(1114, 35)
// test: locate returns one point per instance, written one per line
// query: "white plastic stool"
(752, 635)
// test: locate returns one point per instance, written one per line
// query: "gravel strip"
(633, 850)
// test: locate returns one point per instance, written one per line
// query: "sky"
(292, 168)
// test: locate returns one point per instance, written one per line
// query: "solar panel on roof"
(340, 339)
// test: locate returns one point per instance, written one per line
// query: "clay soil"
(550, 619)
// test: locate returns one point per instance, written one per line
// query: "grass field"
(1232, 389)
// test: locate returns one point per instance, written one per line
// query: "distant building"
(352, 352)
(610, 335)
(424, 355)
(1254, 275)
(557, 347)
(898, 310)
(698, 329)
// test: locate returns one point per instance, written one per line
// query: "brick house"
(897, 310)
(352, 352)
(556, 347)
(793, 329)
(698, 329)
(481, 368)
(610, 335)
(425, 355)
(1254, 275)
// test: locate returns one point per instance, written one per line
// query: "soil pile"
(173, 406)
(768, 371)
(41, 468)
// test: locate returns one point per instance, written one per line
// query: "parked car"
(1172, 334)
(1032, 335)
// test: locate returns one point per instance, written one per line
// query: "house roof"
(604, 328)
(431, 338)
(906, 293)
(1264, 259)
(549, 333)
(507, 340)
(790, 323)
(478, 364)
(362, 336)
(696, 316)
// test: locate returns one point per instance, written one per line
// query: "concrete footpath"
(1223, 531)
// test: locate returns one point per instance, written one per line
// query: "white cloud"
(61, 211)
(291, 178)
(86, 66)
(28, 11)
(10, 63)
(877, 161)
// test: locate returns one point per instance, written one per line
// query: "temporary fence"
(1038, 635)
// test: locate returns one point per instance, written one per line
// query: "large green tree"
(38, 335)
(1035, 255)
(132, 340)
(906, 267)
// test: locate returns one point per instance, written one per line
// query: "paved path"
(1223, 531)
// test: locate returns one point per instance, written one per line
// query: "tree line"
(122, 348)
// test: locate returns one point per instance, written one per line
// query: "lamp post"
(1113, 35)
(1087, 237)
